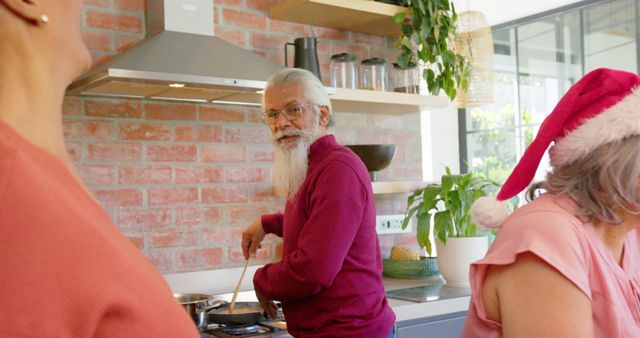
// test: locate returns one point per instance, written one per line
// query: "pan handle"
(277, 306)
(210, 305)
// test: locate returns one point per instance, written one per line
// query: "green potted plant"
(428, 32)
(444, 207)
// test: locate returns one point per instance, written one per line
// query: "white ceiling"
(500, 11)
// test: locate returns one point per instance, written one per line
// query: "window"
(610, 36)
(535, 63)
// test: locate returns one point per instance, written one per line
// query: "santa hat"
(602, 107)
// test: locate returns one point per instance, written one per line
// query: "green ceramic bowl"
(425, 267)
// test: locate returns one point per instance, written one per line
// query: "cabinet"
(443, 326)
(364, 16)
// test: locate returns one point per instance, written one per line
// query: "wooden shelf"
(397, 187)
(370, 101)
(364, 16)
(364, 101)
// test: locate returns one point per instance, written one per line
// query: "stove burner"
(264, 330)
(240, 330)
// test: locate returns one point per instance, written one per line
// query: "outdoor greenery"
(491, 154)
(448, 203)
(428, 32)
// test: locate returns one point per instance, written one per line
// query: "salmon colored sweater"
(330, 277)
(66, 270)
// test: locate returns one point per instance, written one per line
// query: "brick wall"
(183, 180)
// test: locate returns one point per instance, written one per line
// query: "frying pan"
(244, 313)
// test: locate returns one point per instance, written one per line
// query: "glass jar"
(344, 72)
(373, 74)
(405, 80)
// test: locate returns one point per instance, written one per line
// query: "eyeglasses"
(290, 113)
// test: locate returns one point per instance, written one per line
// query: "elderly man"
(329, 279)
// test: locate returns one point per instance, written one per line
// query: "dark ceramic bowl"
(375, 156)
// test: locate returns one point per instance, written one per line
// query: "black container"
(305, 56)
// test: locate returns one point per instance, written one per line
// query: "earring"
(44, 18)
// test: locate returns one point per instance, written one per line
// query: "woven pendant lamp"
(475, 42)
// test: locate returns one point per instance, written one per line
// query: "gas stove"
(270, 328)
(267, 328)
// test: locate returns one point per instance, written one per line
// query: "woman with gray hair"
(567, 264)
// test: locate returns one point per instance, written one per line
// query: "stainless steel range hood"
(180, 60)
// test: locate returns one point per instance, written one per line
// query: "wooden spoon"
(235, 293)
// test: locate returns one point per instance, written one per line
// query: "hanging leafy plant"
(428, 32)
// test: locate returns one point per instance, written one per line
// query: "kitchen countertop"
(407, 310)
(223, 281)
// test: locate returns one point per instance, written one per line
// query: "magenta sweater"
(329, 279)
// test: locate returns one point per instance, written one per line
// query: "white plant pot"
(455, 257)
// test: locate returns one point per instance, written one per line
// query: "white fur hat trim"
(615, 123)
(489, 213)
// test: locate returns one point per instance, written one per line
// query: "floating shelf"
(366, 101)
(342, 99)
(364, 16)
(370, 101)
(397, 187)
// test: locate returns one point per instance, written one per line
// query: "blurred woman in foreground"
(66, 269)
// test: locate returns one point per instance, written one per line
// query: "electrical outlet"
(391, 224)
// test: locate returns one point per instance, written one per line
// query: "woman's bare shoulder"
(530, 296)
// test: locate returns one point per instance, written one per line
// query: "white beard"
(291, 162)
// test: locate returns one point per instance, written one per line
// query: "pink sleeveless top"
(549, 228)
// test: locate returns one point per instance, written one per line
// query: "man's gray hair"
(603, 183)
(313, 89)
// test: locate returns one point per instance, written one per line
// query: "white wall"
(439, 142)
